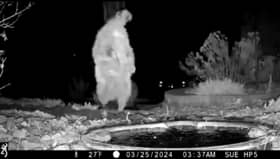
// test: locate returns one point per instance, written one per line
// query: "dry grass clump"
(220, 87)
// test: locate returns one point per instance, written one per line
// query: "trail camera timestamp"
(220, 154)
(199, 154)
(94, 154)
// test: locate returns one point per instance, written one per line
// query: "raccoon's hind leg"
(124, 95)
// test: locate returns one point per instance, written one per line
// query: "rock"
(33, 138)
(211, 118)
(19, 120)
(10, 125)
(2, 119)
(81, 128)
(2, 129)
(25, 124)
(58, 135)
(65, 138)
(75, 117)
(46, 138)
(276, 144)
(274, 106)
(13, 146)
(43, 114)
(34, 130)
(57, 124)
(62, 147)
(78, 147)
(21, 133)
(35, 123)
(5, 137)
(256, 132)
(97, 136)
(27, 145)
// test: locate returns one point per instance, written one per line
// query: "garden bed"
(41, 127)
(180, 97)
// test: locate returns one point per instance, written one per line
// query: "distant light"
(183, 82)
(171, 86)
(160, 83)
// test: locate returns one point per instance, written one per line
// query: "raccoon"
(114, 61)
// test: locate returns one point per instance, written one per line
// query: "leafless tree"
(10, 12)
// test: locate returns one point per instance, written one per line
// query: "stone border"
(178, 96)
(261, 142)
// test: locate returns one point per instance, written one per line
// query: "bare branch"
(10, 12)
(2, 7)
(6, 85)
(4, 36)
(4, 22)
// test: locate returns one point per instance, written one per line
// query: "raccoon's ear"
(124, 16)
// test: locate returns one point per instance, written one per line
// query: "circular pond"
(183, 135)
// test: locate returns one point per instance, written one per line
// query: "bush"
(245, 53)
(78, 89)
(214, 61)
(220, 87)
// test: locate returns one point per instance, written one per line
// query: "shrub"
(213, 61)
(220, 87)
(78, 88)
(246, 52)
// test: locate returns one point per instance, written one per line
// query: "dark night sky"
(41, 47)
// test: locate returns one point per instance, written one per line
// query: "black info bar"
(122, 154)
